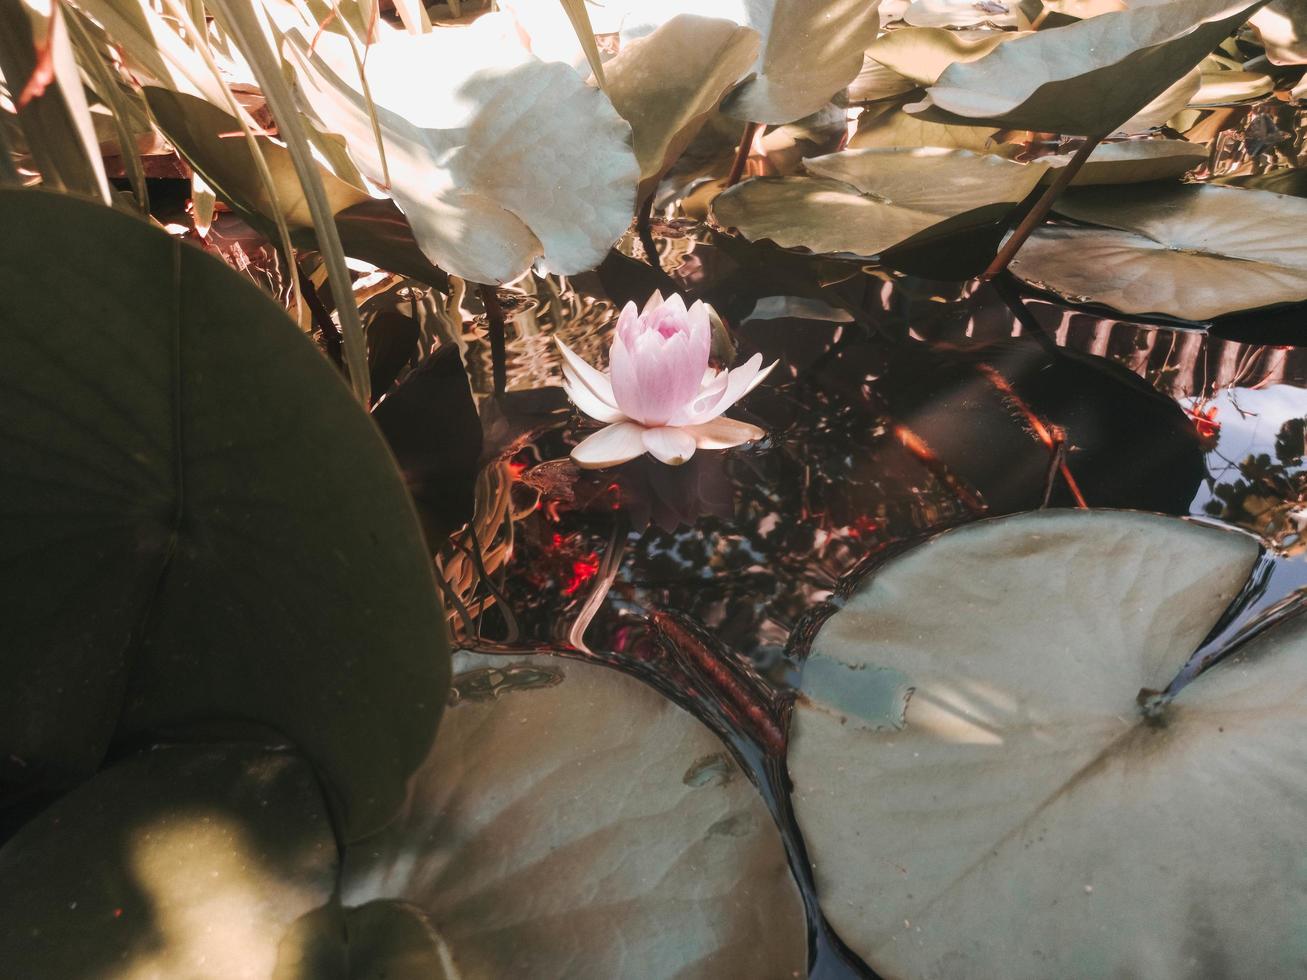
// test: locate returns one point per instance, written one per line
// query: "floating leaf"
(1001, 793)
(863, 202)
(1091, 76)
(1132, 162)
(668, 84)
(1232, 88)
(811, 50)
(496, 158)
(224, 519)
(922, 53)
(960, 13)
(1194, 251)
(189, 861)
(649, 853)
(889, 126)
(1165, 107)
(875, 82)
(376, 941)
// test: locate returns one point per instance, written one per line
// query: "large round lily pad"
(1088, 77)
(1193, 251)
(189, 861)
(989, 785)
(198, 524)
(571, 822)
(866, 201)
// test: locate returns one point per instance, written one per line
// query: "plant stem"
(498, 348)
(643, 228)
(1037, 214)
(331, 340)
(742, 154)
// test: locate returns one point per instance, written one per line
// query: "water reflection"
(900, 407)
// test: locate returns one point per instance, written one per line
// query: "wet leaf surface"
(213, 522)
(1020, 792)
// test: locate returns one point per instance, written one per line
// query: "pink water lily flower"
(659, 397)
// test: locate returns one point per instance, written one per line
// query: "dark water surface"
(900, 407)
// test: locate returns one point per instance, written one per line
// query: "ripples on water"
(900, 407)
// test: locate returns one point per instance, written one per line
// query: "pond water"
(899, 407)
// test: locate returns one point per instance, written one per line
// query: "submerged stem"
(498, 348)
(742, 154)
(644, 229)
(1037, 214)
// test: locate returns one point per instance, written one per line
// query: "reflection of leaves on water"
(1269, 496)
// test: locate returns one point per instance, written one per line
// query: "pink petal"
(610, 446)
(740, 382)
(723, 433)
(586, 400)
(626, 383)
(627, 322)
(652, 303)
(700, 328)
(709, 394)
(668, 372)
(668, 444)
(589, 377)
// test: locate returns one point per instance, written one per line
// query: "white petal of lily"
(610, 446)
(590, 377)
(759, 378)
(700, 406)
(586, 400)
(668, 444)
(653, 302)
(740, 381)
(723, 433)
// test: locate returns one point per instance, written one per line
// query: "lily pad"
(668, 84)
(862, 202)
(376, 941)
(811, 49)
(199, 524)
(988, 784)
(1132, 162)
(1089, 77)
(875, 82)
(940, 14)
(650, 854)
(888, 126)
(923, 53)
(497, 159)
(1232, 88)
(1192, 251)
(189, 861)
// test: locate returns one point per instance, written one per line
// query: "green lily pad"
(862, 202)
(923, 53)
(378, 941)
(572, 822)
(989, 785)
(668, 84)
(1131, 162)
(199, 524)
(188, 861)
(1089, 77)
(811, 49)
(1193, 251)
